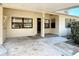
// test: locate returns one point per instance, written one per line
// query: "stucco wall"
(21, 32)
(60, 23)
(52, 30)
(24, 32)
(62, 29)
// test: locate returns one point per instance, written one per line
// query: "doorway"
(38, 25)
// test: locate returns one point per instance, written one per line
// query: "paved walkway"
(28, 46)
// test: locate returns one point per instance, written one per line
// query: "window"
(47, 23)
(53, 23)
(28, 23)
(68, 22)
(18, 22)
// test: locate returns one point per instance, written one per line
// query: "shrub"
(75, 31)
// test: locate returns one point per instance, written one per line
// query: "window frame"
(68, 22)
(22, 23)
(28, 23)
(47, 23)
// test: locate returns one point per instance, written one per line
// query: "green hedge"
(75, 31)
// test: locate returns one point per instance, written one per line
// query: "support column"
(42, 25)
(1, 25)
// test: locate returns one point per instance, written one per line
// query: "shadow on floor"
(72, 43)
(46, 36)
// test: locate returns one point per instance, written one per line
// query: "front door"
(38, 25)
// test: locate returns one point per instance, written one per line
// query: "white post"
(1, 25)
(42, 25)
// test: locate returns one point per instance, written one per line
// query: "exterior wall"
(25, 32)
(1, 25)
(52, 30)
(21, 32)
(60, 23)
(62, 29)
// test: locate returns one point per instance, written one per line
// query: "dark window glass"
(53, 23)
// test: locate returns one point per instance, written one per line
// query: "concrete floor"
(26, 46)
(34, 46)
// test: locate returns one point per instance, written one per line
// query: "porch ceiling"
(39, 7)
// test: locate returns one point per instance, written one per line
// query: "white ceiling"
(40, 7)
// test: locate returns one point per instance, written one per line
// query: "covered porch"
(19, 34)
(15, 25)
(51, 23)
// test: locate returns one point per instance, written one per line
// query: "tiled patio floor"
(26, 46)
